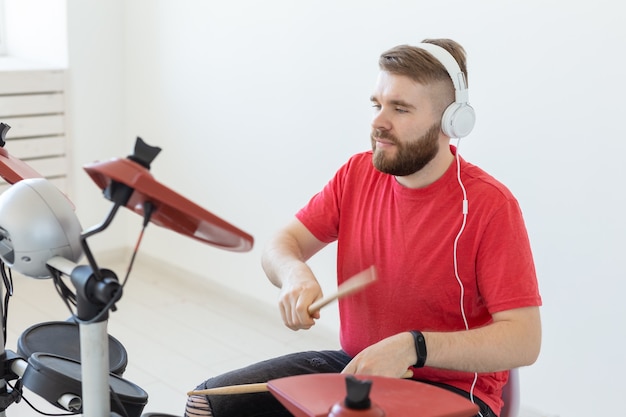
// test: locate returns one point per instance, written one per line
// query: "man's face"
(405, 132)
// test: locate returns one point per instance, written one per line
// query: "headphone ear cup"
(458, 120)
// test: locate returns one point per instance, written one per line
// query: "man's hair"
(420, 66)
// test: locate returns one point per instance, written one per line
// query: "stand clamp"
(15, 395)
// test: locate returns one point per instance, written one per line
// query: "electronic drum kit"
(78, 367)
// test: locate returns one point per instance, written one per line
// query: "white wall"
(97, 96)
(255, 105)
(37, 31)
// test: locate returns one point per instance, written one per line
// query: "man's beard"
(410, 157)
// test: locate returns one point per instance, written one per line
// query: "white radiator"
(33, 103)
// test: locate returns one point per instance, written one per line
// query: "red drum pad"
(314, 395)
(173, 211)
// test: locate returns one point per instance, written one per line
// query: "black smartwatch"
(420, 348)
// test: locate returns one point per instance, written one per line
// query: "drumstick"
(251, 388)
(232, 389)
(351, 285)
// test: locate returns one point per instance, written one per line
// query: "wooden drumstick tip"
(232, 389)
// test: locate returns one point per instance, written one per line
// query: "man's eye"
(376, 106)
(401, 110)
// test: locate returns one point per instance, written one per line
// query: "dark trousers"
(264, 404)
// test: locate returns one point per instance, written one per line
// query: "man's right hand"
(296, 295)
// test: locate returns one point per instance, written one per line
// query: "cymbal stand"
(97, 291)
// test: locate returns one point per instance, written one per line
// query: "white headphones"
(458, 119)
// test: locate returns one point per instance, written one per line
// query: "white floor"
(177, 331)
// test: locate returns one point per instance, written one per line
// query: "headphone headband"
(452, 66)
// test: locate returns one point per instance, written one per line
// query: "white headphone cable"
(456, 267)
(458, 236)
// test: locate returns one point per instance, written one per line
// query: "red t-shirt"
(408, 235)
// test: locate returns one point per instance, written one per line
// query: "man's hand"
(284, 262)
(390, 357)
(296, 295)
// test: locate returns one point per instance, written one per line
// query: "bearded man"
(456, 300)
